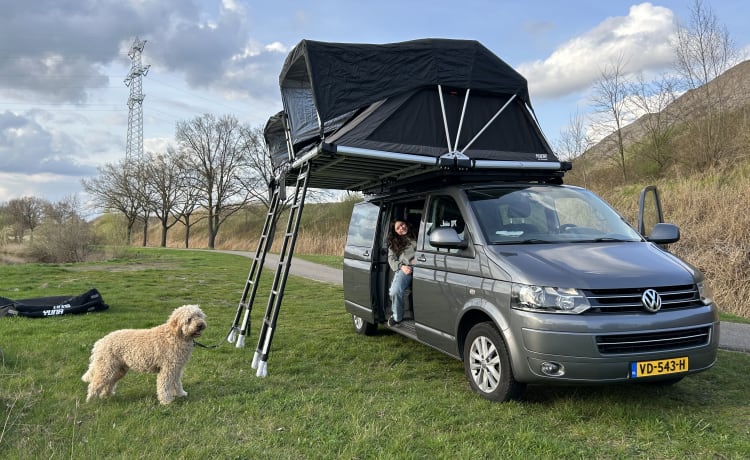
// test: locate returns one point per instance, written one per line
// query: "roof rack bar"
(432, 161)
(379, 154)
(461, 121)
(445, 118)
(493, 164)
(488, 123)
(305, 158)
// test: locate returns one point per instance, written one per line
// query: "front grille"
(629, 300)
(654, 341)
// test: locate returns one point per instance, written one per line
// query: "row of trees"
(218, 167)
(703, 50)
(55, 232)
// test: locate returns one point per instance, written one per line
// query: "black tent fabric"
(412, 123)
(369, 114)
(39, 307)
(321, 81)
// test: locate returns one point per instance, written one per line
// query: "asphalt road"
(733, 336)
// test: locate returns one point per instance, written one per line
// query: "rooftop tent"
(366, 112)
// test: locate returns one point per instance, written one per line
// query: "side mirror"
(664, 234)
(446, 237)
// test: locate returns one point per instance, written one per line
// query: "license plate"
(658, 367)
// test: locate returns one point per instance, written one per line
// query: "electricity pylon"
(134, 147)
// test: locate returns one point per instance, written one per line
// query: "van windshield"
(547, 214)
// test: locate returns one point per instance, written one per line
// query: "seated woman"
(401, 248)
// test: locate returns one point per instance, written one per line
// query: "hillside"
(734, 84)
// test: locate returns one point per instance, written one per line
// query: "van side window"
(363, 224)
(443, 212)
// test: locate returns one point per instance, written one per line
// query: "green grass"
(329, 393)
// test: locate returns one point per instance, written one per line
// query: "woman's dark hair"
(396, 242)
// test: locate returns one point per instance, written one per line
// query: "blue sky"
(63, 103)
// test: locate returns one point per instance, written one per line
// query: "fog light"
(552, 369)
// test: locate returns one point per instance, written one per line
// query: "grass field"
(329, 392)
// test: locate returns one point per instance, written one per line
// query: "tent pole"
(445, 119)
(461, 121)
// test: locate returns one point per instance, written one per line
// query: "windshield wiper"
(526, 241)
(604, 239)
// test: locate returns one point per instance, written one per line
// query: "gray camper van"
(532, 283)
(523, 278)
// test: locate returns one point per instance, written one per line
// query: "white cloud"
(642, 39)
(277, 47)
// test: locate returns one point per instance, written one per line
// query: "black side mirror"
(664, 234)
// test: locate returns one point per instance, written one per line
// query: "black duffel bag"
(39, 307)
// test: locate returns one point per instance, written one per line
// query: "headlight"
(548, 299)
(706, 293)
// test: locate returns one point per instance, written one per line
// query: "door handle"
(366, 254)
(422, 259)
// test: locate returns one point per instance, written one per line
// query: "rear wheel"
(363, 327)
(487, 364)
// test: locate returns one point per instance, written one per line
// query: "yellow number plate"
(658, 367)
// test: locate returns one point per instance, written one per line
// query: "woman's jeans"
(400, 282)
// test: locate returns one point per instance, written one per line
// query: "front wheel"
(363, 327)
(487, 365)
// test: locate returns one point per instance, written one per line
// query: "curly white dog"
(164, 349)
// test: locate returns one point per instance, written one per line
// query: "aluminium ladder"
(268, 326)
(238, 332)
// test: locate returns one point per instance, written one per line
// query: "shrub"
(71, 241)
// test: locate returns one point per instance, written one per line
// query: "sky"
(63, 100)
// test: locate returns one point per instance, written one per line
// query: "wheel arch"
(470, 319)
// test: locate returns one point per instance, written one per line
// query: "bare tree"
(609, 100)
(704, 50)
(654, 100)
(138, 175)
(165, 176)
(114, 189)
(63, 211)
(263, 174)
(189, 202)
(574, 142)
(26, 214)
(261, 170)
(215, 150)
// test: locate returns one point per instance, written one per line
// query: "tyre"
(487, 364)
(363, 327)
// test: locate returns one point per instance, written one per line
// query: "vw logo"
(651, 300)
